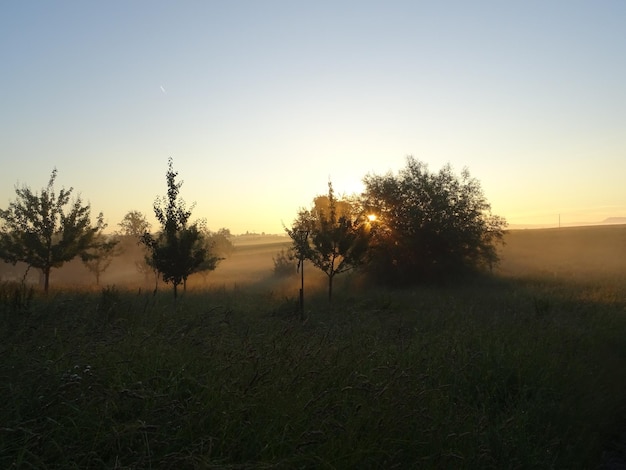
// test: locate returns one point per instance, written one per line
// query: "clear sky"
(259, 103)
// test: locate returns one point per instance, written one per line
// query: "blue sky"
(260, 103)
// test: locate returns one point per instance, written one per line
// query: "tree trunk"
(175, 290)
(330, 288)
(46, 279)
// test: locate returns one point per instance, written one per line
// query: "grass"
(504, 373)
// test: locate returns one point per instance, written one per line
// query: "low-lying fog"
(573, 252)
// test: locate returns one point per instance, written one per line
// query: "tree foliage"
(331, 236)
(219, 242)
(178, 250)
(218, 248)
(45, 230)
(284, 263)
(98, 258)
(134, 224)
(132, 228)
(430, 225)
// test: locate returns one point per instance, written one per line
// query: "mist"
(575, 253)
(570, 253)
(250, 266)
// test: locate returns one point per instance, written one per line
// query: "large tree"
(45, 230)
(430, 225)
(178, 250)
(331, 236)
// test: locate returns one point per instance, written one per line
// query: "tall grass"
(499, 374)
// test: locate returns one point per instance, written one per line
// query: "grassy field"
(524, 369)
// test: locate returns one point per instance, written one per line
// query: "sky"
(261, 103)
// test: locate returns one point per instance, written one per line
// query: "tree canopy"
(46, 229)
(99, 256)
(134, 224)
(430, 225)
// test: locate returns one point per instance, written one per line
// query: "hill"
(614, 220)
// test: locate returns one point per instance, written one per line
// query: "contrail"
(163, 90)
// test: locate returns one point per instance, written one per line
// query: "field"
(520, 369)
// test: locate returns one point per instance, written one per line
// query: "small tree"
(335, 240)
(177, 251)
(46, 230)
(98, 258)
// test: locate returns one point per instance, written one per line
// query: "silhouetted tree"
(134, 224)
(177, 250)
(284, 263)
(220, 244)
(132, 228)
(97, 259)
(430, 225)
(330, 236)
(225, 232)
(218, 248)
(146, 267)
(46, 230)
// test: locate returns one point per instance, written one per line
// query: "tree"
(134, 224)
(218, 247)
(132, 228)
(145, 266)
(331, 236)
(284, 263)
(177, 251)
(46, 230)
(430, 225)
(98, 258)
(220, 243)
(225, 232)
